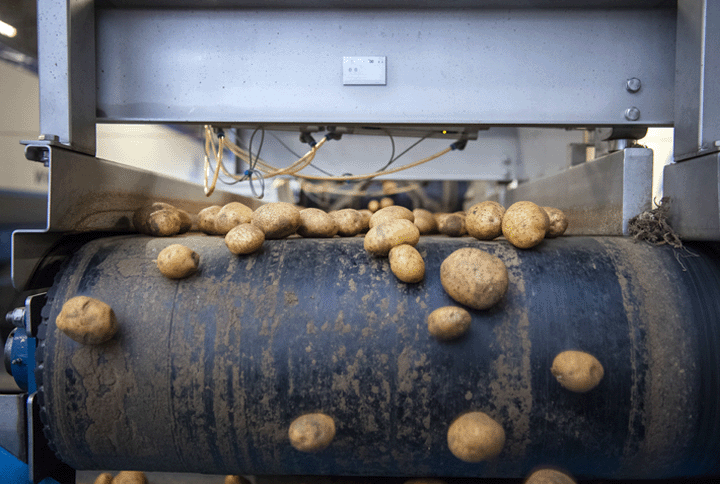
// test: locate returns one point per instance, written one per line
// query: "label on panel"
(364, 71)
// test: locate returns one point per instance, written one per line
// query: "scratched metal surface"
(206, 373)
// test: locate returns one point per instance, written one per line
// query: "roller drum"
(207, 373)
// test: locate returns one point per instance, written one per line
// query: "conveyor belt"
(207, 373)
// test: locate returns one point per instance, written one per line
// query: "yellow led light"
(7, 30)
(444, 132)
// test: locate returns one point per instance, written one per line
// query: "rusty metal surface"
(207, 373)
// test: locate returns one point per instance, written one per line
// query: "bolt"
(632, 114)
(49, 137)
(17, 361)
(16, 317)
(717, 143)
(633, 84)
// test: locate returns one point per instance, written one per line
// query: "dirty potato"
(177, 261)
(158, 219)
(474, 278)
(311, 432)
(381, 238)
(349, 222)
(277, 220)
(448, 322)
(130, 477)
(316, 223)
(373, 206)
(244, 239)
(87, 320)
(186, 222)
(484, 220)
(425, 221)
(558, 222)
(475, 437)
(524, 224)
(577, 371)
(366, 215)
(452, 224)
(236, 480)
(391, 213)
(104, 478)
(406, 263)
(206, 219)
(549, 476)
(386, 202)
(230, 216)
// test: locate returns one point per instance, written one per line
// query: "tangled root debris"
(652, 226)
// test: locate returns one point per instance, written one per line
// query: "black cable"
(298, 156)
(393, 160)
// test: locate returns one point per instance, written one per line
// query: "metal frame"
(598, 197)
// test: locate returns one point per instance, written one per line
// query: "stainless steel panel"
(87, 194)
(694, 201)
(599, 197)
(444, 66)
(66, 51)
(697, 90)
(13, 425)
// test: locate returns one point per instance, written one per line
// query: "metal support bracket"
(89, 197)
(42, 461)
(13, 425)
(693, 187)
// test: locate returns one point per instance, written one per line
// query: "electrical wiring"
(265, 170)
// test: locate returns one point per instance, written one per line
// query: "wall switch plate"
(364, 71)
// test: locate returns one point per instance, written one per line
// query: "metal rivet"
(633, 84)
(632, 114)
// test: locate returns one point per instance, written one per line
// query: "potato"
(549, 476)
(177, 261)
(244, 239)
(425, 221)
(206, 219)
(230, 216)
(277, 220)
(558, 222)
(316, 223)
(484, 220)
(373, 206)
(349, 222)
(577, 371)
(87, 320)
(158, 219)
(130, 477)
(474, 437)
(236, 480)
(366, 215)
(386, 202)
(406, 263)
(391, 213)
(380, 239)
(452, 224)
(185, 221)
(311, 432)
(104, 478)
(448, 322)
(474, 278)
(524, 224)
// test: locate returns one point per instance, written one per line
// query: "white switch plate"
(364, 71)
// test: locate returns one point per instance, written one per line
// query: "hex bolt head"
(632, 114)
(633, 84)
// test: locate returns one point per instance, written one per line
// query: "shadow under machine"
(208, 372)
